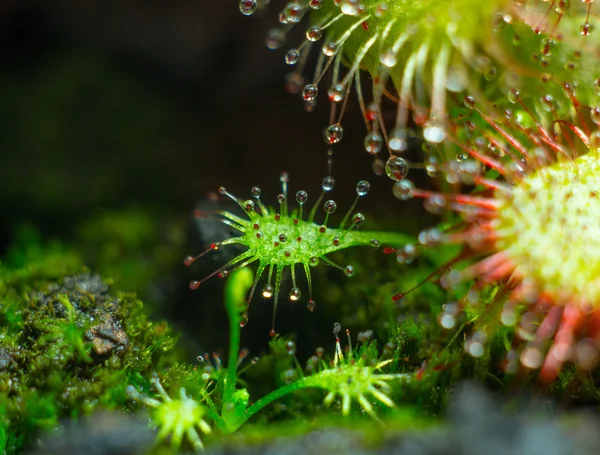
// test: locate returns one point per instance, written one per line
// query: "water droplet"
(301, 197)
(336, 93)
(267, 291)
(430, 237)
(597, 86)
(491, 74)
(316, 4)
(330, 206)
(399, 139)
(546, 46)
(330, 48)
(292, 56)
(406, 254)
(562, 6)
(362, 188)
(373, 142)
(313, 261)
(396, 168)
(311, 305)
(349, 270)
(327, 183)
(388, 58)
(247, 7)
(595, 114)
(333, 133)
(469, 102)
(288, 376)
(223, 274)
(374, 244)
(249, 206)
(314, 33)
(194, 285)
(433, 132)
(275, 38)
(499, 22)
(255, 191)
(290, 347)
(404, 190)
(513, 95)
(281, 198)
(310, 92)
(547, 103)
(272, 332)
(586, 29)
(358, 219)
(291, 14)
(295, 294)
(244, 320)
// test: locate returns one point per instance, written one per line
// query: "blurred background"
(116, 118)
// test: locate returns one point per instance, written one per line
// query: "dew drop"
(398, 139)
(223, 274)
(281, 198)
(586, 29)
(513, 95)
(188, 261)
(333, 133)
(290, 347)
(336, 93)
(275, 38)
(362, 188)
(291, 14)
(255, 191)
(469, 102)
(499, 22)
(562, 6)
(349, 7)
(330, 206)
(373, 142)
(244, 320)
(329, 48)
(249, 206)
(396, 168)
(327, 183)
(301, 197)
(404, 190)
(597, 86)
(194, 285)
(406, 254)
(295, 294)
(311, 305)
(388, 58)
(267, 291)
(358, 219)
(272, 332)
(546, 46)
(314, 33)
(247, 7)
(595, 114)
(374, 244)
(310, 92)
(547, 103)
(313, 261)
(433, 132)
(349, 270)
(292, 56)
(316, 4)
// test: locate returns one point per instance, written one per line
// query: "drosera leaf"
(280, 239)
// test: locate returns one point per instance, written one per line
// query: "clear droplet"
(330, 206)
(267, 291)
(499, 22)
(595, 114)
(362, 188)
(243, 320)
(327, 183)
(399, 139)
(349, 7)
(301, 197)
(388, 58)
(562, 6)
(349, 270)
(292, 56)
(290, 347)
(295, 294)
(546, 46)
(597, 86)
(291, 14)
(358, 219)
(249, 206)
(310, 92)
(433, 132)
(194, 285)
(513, 95)
(469, 102)
(333, 133)
(336, 93)
(586, 29)
(316, 4)
(404, 190)
(247, 7)
(255, 191)
(374, 244)
(275, 38)
(314, 33)
(311, 305)
(547, 103)
(329, 48)
(313, 261)
(373, 142)
(396, 168)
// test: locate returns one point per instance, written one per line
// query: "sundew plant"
(501, 100)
